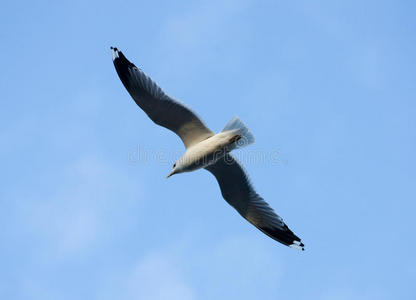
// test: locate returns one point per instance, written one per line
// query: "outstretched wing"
(161, 109)
(240, 194)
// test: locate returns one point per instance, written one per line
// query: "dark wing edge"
(160, 108)
(238, 191)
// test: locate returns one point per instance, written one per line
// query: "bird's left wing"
(240, 194)
(161, 109)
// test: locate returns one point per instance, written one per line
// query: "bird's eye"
(174, 165)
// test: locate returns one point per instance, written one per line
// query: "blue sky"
(326, 87)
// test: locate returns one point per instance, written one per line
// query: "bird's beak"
(171, 173)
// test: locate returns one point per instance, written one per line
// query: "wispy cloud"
(203, 24)
(158, 277)
(193, 36)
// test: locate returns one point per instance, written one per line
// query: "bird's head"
(177, 168)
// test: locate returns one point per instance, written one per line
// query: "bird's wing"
(162, 109)
(239, 193)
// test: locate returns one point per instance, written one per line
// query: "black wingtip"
(284, 236)
(115, 53)
(122, 65)
(120, 60)
(297, 245)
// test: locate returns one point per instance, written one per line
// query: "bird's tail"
(243, 137)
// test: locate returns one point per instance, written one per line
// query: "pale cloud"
(64, 230)
(177, 270)
(370, 60)
(72, 220)
(203, 24)
(250, 266)
(158, 277)
(372, 65)
(327, 18)
(347, 293)
(66, 205)
(193, 37)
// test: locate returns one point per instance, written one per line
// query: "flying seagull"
(205, 149)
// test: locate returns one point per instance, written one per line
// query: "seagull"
(205, 149)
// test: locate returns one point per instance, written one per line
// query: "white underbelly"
(206, 152)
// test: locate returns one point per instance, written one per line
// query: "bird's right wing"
(161, 108)
(240, 194)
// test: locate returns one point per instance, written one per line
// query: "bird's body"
(206, 152)
(204, 149)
